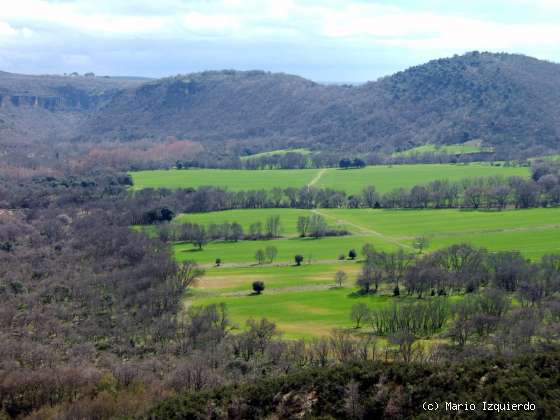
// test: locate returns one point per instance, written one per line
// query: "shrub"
(258, 287)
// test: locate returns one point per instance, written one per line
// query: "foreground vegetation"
(100, 320)
(362, 389)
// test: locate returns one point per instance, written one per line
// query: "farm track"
(307, 288)
(278, 264)
(317, 177)
(364, 230)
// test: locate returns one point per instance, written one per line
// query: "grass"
(234, 280)
(232, 179)
(318, 250)
(299, 314)
(384, 178)
(473, 146)
(301, 151)
(302, 300)
(534, 232)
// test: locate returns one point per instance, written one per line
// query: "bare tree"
(340, 278)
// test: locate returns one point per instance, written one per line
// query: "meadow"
(383, 177)
(303, 300)
(473, 146)
(301, 151)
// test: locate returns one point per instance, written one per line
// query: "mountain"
(503, 99)
(52, 107)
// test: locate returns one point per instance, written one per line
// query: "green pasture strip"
(384, 178)
(232, 179)
(301, 151)
(455, 149)
(244, 251)
(388, 177)
(303, 314)
(411, 223)
(219, 280)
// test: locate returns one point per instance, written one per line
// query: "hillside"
(502, 99)
(51, 107)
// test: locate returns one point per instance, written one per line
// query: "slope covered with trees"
(505, 100)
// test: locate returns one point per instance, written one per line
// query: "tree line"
(497, 193)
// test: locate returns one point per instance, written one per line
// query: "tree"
(199, 236)
(218, 262)
(370, 197)
(358, 313)
(273, 227)
(302, 225)
(358, 163)
(188, 273)
(340, 278)
(345, 163)
(352, 254)
(370, 276)
(260, 256)
(258, 287)
(317, 226)
(236, 232)
(405, 341)
(420, 243)
(298, 259)
(271, 253)
(473, 197)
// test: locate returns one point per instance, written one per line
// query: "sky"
(326, 41)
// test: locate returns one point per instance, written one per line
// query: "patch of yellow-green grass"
(301, 151)
(302, 314)
(386, 178)
(473, 146)
(314, 250)
(383, 177)
(218, 280)
(232, 179)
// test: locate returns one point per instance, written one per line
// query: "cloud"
(269, 33)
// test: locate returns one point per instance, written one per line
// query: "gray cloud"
(331, 40)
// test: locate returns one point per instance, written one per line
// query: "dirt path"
(276, 264)
(317, 177)
(364, 230)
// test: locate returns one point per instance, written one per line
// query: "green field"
(301, 151)
(302, 300)
(473, 146)
(232, 179)
(533, 232)
(384, 178)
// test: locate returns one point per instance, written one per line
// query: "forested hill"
(502, 99)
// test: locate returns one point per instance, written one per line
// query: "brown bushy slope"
(503, 99)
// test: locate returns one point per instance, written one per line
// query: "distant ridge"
(504, 99)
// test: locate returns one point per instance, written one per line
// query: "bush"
(258, 287)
